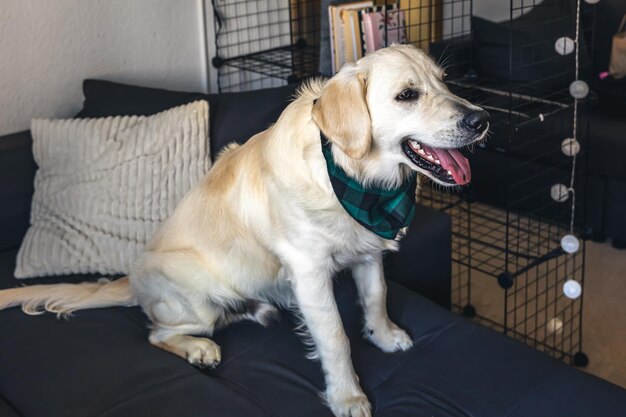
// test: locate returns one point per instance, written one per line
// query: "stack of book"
(361, 27)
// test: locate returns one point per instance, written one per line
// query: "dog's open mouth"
(447, 165)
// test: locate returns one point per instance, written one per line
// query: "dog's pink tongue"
(452, 160)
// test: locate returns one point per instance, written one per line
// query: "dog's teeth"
(437, 161)
(449, 172)
(430, 158)
(421, 152)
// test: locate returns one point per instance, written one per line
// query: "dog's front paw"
(203, 353)
(390, 338)
(355, 405)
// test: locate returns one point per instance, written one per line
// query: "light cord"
(575, 122)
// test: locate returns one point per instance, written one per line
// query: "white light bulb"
(572, 289)
(559, 193)
(579, 89)
(564, 45)
(554, 326)
(592, 1)
(570, 244)
(570, 146)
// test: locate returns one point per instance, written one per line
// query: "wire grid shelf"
(517, 104)
(290, 63)
(265, 43)
(534, 309)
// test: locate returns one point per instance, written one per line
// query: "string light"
(570, 244)
(572, 289)
(559, 193)
(579, 89)
(564, 45)
(554, 326)
(570, 146)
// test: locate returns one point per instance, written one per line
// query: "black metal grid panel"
(440, 27)
(278, 62)
(538, 313)
(516, 104)
(265, 43)
(508, 232)
(535, 310)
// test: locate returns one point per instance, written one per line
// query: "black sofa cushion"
(99, 363)
(17, 176)
(233, 117)
(428, 242)
(607, 144)
(611, 97)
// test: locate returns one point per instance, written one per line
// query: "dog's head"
(391, 110)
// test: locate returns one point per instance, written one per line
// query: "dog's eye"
(408, 94)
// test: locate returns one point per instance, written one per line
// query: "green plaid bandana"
(384, 212)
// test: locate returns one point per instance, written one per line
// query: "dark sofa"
(99, 363)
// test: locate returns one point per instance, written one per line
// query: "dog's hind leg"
(379, 329)
(174, 321)
(173, 335)
(166, 286)
(199, 351)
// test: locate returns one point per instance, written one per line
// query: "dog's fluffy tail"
(63, 299)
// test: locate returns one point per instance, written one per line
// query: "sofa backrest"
(17, 175)
(234, 117)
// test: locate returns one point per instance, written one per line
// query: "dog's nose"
(477, 121)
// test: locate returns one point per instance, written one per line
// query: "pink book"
(374, 28)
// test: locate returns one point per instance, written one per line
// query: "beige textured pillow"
(104, 185)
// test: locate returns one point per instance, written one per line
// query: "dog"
(265, 229)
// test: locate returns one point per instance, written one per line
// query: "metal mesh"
(265, 43)
(489, 241)
(506, 226)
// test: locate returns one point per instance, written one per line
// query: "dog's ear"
(341, 113)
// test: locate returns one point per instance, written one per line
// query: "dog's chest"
(344, 239)
(317, 223)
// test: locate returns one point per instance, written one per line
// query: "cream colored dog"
(264, 227)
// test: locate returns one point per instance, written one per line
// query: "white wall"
(48, 47)
(494, 10)
(456, 13)
(500, 10)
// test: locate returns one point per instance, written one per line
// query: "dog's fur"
(264, 228)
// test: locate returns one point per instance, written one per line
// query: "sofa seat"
(99, 363)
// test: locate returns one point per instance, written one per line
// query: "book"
(337, 31)
(383, 27)
(354, 48)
